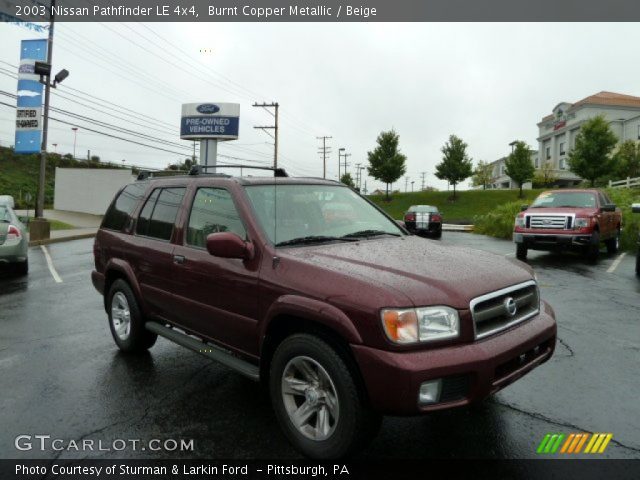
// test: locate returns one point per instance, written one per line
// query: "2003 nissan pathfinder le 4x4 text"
(345, 317)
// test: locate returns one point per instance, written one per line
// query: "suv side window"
(120, 210)
(212, 211)
(159, 213)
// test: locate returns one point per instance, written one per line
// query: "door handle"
(178, 259)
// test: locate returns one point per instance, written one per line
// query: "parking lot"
(62, 375)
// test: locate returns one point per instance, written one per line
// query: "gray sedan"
(14, 244)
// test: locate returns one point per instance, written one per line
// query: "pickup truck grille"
(495, 311)
(558, 222)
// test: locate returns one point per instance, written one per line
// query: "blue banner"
(29, 111)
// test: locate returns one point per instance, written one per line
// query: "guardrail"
(628, 183)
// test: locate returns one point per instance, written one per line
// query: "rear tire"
(126, 321)
(638, 265)
(521, 251)
(438, 235)
(613, 243)
(317, 401)
(23, 268)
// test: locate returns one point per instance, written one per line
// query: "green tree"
(456, 165)
(347, 179)
(482, 175)
(545, 175)
(518, 164)
(627, 160)
(184, 166)
(591, 156)
(386, 163)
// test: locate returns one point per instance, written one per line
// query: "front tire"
(521, 251)
(23, 268)
(317, 401)
(593, 250)
(613, 243)
(126, 321)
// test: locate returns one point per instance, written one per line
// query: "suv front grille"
(495, 311)
(558, 222)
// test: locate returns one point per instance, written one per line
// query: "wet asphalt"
(62, 375)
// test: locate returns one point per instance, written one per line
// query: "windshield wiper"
(312, 239)
(369, 233)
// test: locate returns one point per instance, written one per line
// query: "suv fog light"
(430, 392)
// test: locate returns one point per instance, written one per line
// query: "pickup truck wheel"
(613, 243)
(125, 320)
(317, 401)
(521, 251)
(593, 249)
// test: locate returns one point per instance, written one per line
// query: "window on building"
(536, 163)
(548, 153)
(213, 211)
(562, 151)
(562, 164)
(502, 167)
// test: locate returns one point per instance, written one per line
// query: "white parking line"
(52, 269)
(616, 262)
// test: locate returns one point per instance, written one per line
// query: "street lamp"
(75, 137)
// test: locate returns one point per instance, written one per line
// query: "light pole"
(40, 228)
(55, 147)
(75, 138)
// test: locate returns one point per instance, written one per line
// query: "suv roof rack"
(145, 174)
(200, 169)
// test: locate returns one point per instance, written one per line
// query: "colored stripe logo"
(574, 443)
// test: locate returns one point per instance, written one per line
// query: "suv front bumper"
(470, 372)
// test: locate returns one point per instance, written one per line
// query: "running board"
(210, 351)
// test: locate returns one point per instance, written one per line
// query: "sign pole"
(45, 123)
(208, 152)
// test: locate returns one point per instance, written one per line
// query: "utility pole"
(423, 174)
(340, 150)
(406, 184)
(274, 127)
(345, 155)
(324, 151)
(365, 187)
(358, 175)
(45, 122)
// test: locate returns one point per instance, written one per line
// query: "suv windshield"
(565, 199)
(316, 213)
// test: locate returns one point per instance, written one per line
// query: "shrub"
(499, 222)
(623, 198)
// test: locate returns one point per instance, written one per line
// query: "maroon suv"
(345, 317)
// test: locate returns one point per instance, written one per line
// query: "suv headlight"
(581, 222)
(424, 324)
(520, 222)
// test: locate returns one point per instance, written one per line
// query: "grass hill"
(19, 174)
(468, 204)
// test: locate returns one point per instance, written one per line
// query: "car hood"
(584, 211)
(424, 271)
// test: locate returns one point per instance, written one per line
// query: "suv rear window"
(159, 213)
(120, 210)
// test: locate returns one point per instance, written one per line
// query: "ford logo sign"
(208, 108)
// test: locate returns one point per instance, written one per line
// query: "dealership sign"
(209, 120)
(29, 105)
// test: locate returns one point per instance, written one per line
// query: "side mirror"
(635, 207)
(523, 207)
(229, 245)
(609, 207)
(401, 223)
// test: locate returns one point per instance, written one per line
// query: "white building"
(557, 132)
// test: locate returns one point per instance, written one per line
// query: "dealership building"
(557, 133)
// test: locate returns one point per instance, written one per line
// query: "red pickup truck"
(568, 219)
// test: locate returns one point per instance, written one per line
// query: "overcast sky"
(487, 83)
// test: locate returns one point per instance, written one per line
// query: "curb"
(450, 227)
(47, 241)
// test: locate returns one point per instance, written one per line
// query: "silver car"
(14, 245)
